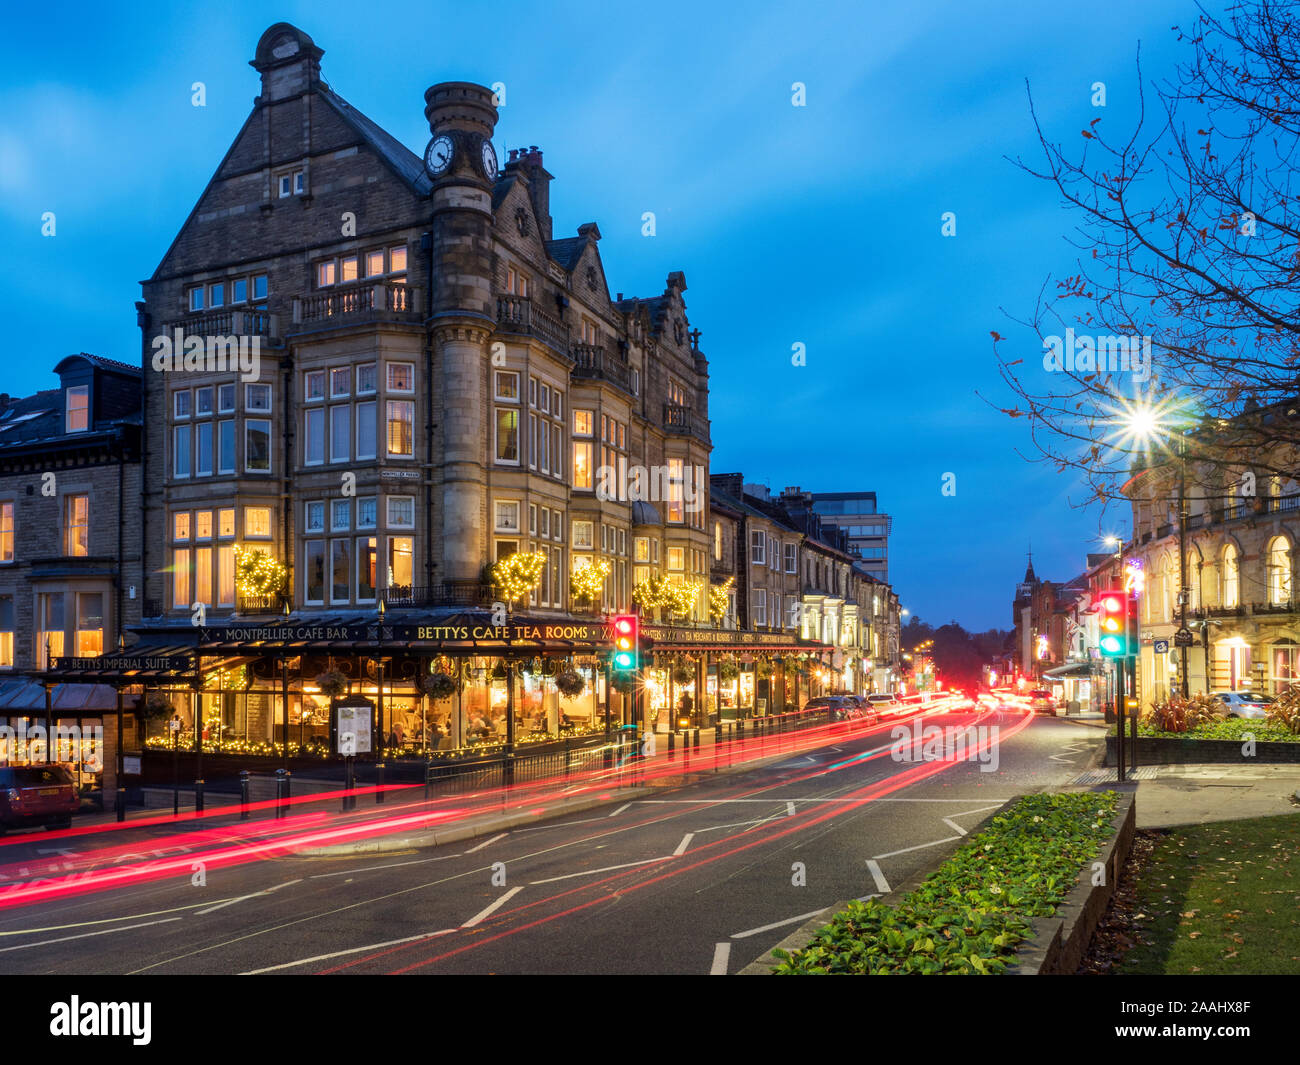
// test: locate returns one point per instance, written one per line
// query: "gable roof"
(403, 162)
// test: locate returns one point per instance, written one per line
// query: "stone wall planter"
(1160, 750)
(1058, 943)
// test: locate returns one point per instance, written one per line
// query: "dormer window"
(78, 409)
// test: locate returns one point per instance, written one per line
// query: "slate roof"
(405, 163)
(567, 251)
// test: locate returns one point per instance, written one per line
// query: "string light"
(720, 599)
(258, 574)
(588, 578)
(520, 575)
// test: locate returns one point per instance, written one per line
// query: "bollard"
(672, 738)
(243, 794)
(379, 782)
(697, 739)
(198, 797)
(281, 792)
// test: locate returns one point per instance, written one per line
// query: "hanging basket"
(683, 675)
(624, 683)
(570, 683)
(728, 671)
(332, 683)
(763, 668)
(438, 685)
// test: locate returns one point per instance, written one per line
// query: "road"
(704, 878)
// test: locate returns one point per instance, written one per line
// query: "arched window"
(1168, 578)
(1229, 577)
(1279, 571)
(1193, 579)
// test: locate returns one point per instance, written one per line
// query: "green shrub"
(969, 916)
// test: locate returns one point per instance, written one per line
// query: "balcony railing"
(519, 314)
(1285, 607)
(677, 419)
(260, 604)
(230, 322)
(592, 360)
(358, 301)
(449, 593)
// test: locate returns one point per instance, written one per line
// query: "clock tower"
(462, 165)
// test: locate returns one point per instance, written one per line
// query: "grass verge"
(969, 916)
(1221, 898)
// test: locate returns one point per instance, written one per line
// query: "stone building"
(70, 550)
(1233, 579)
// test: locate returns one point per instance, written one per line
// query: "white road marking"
(86, 935)
(918, 847)
(779, 924)
(954, 826)
(686, 842)
(350, 950)
(592, 872)
(620, 809)
(721, 956)
(789, 809)
(376, 868)
(244, 898)
(479, 847)
(484, 914)
(882, 885)
(104, 920)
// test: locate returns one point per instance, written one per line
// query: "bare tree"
(1188, 232)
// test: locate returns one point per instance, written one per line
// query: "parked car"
(865, 709)
(37, 794)
(1244, 704)
(835, 705)
(1042, 701)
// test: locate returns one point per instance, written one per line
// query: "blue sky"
(817, 225)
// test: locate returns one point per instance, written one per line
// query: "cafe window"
(76, 525)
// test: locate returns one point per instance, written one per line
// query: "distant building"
(866, 528)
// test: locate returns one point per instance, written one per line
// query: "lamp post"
(379, 662)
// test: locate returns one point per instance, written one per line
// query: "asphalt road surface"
(704, 878)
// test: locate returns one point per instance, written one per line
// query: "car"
(834, 705)
(37, 794)
(1042, 701)
(1244, 704)
(884, 703)
(859, 708)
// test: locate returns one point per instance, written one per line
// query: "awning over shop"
(26, 698)
(1069, 670)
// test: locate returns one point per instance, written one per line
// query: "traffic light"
(627, 644)
(1113, 624)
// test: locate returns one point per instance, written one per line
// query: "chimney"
(539, 186)
(733, 484)
(288, 61)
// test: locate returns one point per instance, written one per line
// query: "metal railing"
(446, 594)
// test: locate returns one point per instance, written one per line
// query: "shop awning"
(26, 698)
(1070, 669)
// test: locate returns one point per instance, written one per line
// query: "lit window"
(582, 464)
(366, 564)
(340, 571)
(203, 525)
(676, 509)
(6, 631)
(6, 532)
(507, 386)
(257, 522)
(226, 522)
(348, 269)
(1230, 576)
(401, 561)
(76, 525)
(582, 423)
(401, 418)
(181, 526)
(397, 260)
(181, 578)
(507, 435)
(676, 558)
(78, 409)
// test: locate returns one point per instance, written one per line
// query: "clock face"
(489, 161)
(437, 156)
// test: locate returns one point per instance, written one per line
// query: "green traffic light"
(1112, 645)
(622, 660)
